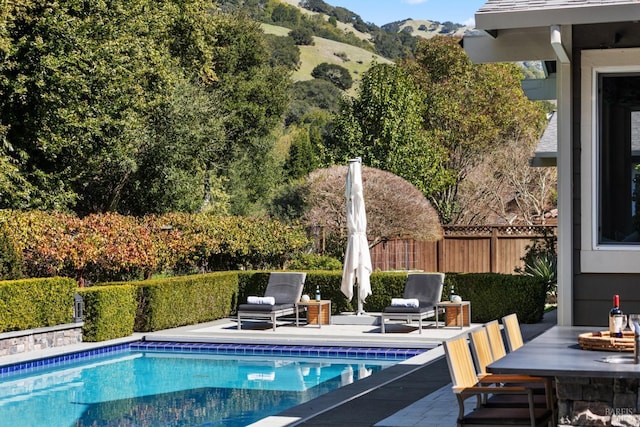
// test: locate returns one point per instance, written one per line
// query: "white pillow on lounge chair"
(261, 300)
(405, 302)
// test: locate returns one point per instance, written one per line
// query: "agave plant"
(545, 267)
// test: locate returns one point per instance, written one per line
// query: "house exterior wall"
(592, 293)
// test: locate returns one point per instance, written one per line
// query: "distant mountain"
(379, 36)
(427, 29)
(343, 38)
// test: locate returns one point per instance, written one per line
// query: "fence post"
(493, 249)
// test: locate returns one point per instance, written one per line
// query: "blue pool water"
(171, 384)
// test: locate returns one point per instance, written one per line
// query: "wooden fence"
(464, 249)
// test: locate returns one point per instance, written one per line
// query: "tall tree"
(77, 81)
(384, 125)
(504, 188)
(469, 110)
(104, 102)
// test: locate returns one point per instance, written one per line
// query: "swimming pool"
(167, 384)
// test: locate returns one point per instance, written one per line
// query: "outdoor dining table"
(590, 385)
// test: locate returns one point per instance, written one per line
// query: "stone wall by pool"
(40, 338)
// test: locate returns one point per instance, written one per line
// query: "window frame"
(598, 257)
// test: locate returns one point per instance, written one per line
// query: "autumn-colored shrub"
(204, 242)
(113, 247)
(97, 247)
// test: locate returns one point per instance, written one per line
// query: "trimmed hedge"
(114, 310)
(494, 295)
(384, 287)
(36, 303)
(184, 300)
(109, 312)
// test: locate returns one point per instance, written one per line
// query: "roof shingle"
(492, 6)
(502, 14)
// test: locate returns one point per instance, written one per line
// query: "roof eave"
(521, 44)
(526, 18)
(544, 160)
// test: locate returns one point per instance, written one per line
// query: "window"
(610, 162)
(618, 159)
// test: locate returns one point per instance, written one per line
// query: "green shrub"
(204, 242)
(109, 312)
(184, 300)
(11, 261)
(384, 287)
(36, 303)
(541, 261)
(314, 262)
(494, 295)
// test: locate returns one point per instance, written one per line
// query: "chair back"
(481, 350)
(285, 287)
(426, 287)
(495, 339)
(512, 331)
(461, 369)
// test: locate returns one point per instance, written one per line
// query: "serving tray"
(603, 341)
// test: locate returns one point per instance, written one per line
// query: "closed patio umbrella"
(357, 260)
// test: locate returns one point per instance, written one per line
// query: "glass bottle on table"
(616, 317)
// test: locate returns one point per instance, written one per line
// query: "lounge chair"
(285, 290)
(427, 289)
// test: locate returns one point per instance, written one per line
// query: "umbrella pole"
(360, 311)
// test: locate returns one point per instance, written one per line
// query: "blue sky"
(382, 12)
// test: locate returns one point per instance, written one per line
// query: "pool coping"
(316, 407)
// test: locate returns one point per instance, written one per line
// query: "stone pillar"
(597, 401)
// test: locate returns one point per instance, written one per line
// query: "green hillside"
(354, 59)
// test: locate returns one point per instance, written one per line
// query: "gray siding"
(592, 293)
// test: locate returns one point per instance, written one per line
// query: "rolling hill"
(354, 59)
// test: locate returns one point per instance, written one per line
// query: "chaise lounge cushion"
(400, 309)
(264, 308)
